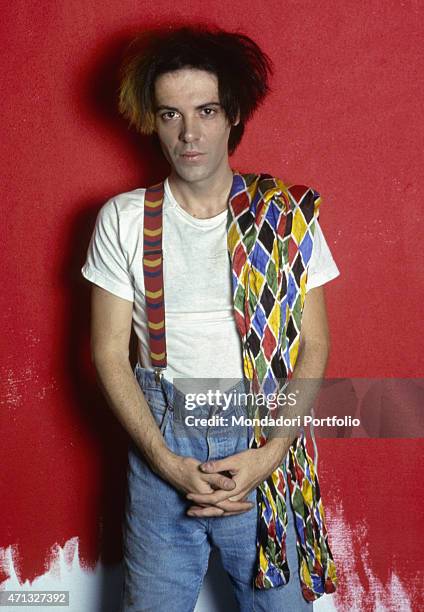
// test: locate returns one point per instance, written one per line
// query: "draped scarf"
(270, 233)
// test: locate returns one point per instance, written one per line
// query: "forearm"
(304, 386)
(127, 401)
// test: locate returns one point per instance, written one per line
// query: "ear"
(237, 121)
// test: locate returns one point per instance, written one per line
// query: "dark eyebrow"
(200, 107)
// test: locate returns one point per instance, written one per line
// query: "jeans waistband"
(176, 399)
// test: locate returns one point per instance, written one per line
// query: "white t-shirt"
(201, 336)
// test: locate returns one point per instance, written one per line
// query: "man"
(196, 89)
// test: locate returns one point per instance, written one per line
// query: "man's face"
(191, 124)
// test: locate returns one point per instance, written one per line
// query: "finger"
(220, 465)
(201, 488)
(224, 509)
(219, 481)
(205, 488)
(205, 505)
(236, 498)
(209, 498)
(204, 512)
(235, 506)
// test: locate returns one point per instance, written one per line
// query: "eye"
(168, 115)
(208, 111)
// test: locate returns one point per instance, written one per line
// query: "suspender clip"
(158, 374)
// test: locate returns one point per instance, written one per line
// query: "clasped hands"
(220, 495)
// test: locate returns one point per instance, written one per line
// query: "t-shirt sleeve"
(106, 264)
(322, 267)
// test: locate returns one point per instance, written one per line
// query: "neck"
(203, 199)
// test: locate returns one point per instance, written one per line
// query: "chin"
(193, 174)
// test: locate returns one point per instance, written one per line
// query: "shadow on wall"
(96, 86)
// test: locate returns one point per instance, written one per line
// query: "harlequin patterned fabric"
(270, 239)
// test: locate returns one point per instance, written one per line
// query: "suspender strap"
(153, 275)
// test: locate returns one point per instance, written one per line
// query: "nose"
(189, 130)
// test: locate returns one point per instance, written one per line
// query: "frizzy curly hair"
(243, 71)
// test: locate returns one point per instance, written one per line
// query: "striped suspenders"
(153, 276)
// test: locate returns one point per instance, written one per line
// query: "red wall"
(344, 116)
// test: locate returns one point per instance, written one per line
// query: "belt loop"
(160, 380)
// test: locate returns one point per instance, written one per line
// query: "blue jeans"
(166, 552)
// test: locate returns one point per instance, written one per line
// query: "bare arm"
(314, 347)
(111, 320)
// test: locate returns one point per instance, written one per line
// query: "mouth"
(191, 155)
